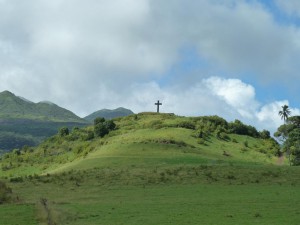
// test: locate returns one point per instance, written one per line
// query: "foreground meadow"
(177, 195)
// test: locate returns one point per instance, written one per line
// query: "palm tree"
(284, 113)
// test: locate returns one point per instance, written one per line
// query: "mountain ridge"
(109, 113)
(12, 106)
(25, 123)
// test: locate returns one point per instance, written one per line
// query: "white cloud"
(292, 7)
(229, 98)
(235, 93)
(268, 114)
(87, 55)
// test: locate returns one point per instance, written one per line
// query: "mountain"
(109, 114)
(12, 106)
(23, 122)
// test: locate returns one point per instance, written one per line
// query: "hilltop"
(109, 114)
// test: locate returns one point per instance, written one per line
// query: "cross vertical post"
(158, 104)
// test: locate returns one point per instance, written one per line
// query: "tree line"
(289, 135)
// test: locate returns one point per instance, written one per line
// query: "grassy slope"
(152, 172)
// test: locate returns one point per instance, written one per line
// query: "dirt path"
(280, 160)
(44, 203)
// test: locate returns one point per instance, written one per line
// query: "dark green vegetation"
(26, 123)
(109, 114)
(289, 134)
(17, 133)
(152, 169)
(4, 193)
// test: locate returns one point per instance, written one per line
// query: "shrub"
(187, 125)
(99, 120)
(155, 124)
(265, 134)
(16, 179)
(89, 136)
(100, 130)
(237, 127)
(4, 193)
(243, 149)
(201, 141)
(234, 140)
(64, 131)
(75, 129)
(110, 125)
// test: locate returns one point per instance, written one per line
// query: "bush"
(237, 127)
(234, 140)
(64, 131)
(4, 193)
(187, 125)
(99, 120)
(201, 141)
(110, 125)
(89, 136)
(102, 127)
(100, 130)
(265, 134)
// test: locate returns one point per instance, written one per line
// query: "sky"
(238, 59)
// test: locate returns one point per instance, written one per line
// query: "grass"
(18, 214)
(189, 204)
(217, 195)
(151, 170)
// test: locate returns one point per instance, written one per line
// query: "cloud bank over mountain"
(199, 57)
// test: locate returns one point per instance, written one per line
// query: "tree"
(284, 113)
(102, 127)
(64, 131)
(289, 133)
(295, 120)
(265, 134)
(110, 125)
(100, 130)
(99, 120)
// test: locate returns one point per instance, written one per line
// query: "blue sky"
(234, 58)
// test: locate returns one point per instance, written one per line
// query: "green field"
(193, 196)
(151, 170)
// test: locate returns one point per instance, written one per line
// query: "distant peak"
(47, 102)
(7, 93)
(24, 99)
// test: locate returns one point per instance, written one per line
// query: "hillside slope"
(145, 140)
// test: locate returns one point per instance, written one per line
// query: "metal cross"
(158, 104)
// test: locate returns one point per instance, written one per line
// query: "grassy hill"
(163, 138)
(152, 169)
(109, 114)
(26, 123)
